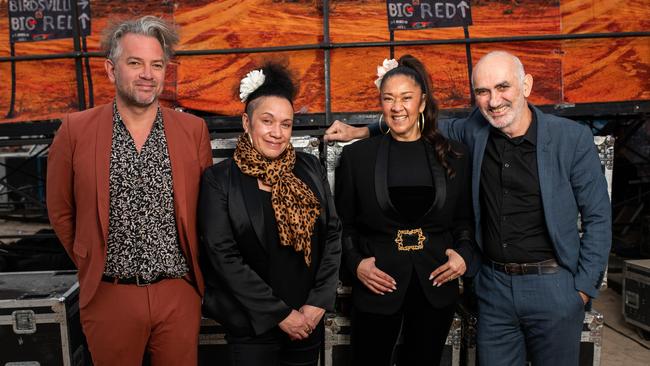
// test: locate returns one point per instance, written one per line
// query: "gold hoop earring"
(250, 139)
(380, 130)
(421, 122)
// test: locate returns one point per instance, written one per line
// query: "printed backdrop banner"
(39, 20)
(567, 72)
(419, 14)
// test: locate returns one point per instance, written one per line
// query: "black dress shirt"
(514, 228)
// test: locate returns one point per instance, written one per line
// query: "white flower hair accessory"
(250, 83)
(382, 69)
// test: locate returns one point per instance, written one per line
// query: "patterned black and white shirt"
(142, 235)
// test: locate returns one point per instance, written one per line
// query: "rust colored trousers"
(121, 322)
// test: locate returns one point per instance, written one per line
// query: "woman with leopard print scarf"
(270, 234)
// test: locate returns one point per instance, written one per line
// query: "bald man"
(532, 174)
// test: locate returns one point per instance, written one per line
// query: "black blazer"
(234, 260)
(370, 223)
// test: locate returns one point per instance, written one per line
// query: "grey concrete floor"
(622, 345)
(8, 228)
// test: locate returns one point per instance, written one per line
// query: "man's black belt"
(544, 267)
(134, 280)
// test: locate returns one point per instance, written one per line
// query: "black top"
(289, 276)
(410, 185)
(514, 228)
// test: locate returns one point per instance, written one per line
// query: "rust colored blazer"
(78, 187)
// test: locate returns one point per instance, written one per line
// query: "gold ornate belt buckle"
(410, 239)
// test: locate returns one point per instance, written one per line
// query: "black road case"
(213, 349)
(39, 319)
(636, 293)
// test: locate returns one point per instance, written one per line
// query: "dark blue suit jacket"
(571, 181)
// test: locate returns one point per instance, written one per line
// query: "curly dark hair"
(278, 82)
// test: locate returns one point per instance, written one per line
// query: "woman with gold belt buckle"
(405, 202)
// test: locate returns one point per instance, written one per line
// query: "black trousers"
(274, 348)
(424, 331)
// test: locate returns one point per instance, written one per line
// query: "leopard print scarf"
(295, 206)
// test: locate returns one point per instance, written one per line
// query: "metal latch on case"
(24, 321)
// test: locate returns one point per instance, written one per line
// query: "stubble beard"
(503, 122)
(129, 95)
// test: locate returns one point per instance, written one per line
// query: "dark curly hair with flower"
(278, 82)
